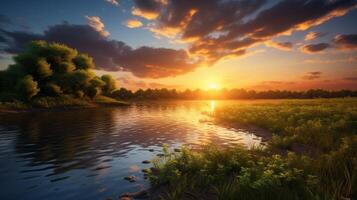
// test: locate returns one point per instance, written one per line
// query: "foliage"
(233, 173)
(58, 102)
(312, 155)
(52, 70)
(28, 87)
(165, 93)
(109, 84)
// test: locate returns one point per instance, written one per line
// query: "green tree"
(43, 68)
(83, 61)
(28, 87)
(53, 89)
(53, 69)
(110, 84)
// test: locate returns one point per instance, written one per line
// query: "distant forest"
(164, 93)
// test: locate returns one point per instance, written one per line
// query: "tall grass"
(312, 155)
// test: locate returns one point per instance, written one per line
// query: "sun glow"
(213, 86)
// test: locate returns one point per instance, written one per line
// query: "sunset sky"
(253, 44)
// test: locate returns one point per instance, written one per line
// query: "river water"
(85, 154)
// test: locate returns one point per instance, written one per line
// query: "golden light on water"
(213, 106)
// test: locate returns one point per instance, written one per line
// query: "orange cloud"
(286, 46)
(220, 29)
(313, 35)
(133, 23)
(145, 14)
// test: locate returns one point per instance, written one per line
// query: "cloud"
(286, 46)
(132, 83)
(278, 82)
(113, 2)
(96, 23)
(148, 9)
(216, 29)
(346, 42)
(133, 23)
(352, 78)
(351, 59)
(315, 48)
(4, 20)
(272, 85)
(313, 35)
(312, 75)
(110, 55)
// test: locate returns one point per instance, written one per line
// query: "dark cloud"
(312, 75)
(220, 28)
(346, 41)
(149, 6)
(147, 9)
(4, 20)
(108, 54)
(354, 78)
(315, 48)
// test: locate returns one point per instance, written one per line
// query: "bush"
(28, 87)
(52, 69)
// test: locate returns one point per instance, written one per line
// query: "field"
(312, 155)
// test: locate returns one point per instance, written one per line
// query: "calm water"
(84, 154)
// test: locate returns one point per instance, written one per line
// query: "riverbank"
(58, 103)
(311, 155)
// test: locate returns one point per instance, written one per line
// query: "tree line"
(164, 93)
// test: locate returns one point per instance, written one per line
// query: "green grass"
(312, 155)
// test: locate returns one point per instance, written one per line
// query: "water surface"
(85, 154)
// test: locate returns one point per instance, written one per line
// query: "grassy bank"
(65, 101)
(312, 155)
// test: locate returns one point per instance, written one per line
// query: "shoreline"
(61, 108)
(264, 134)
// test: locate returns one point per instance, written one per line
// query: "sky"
(252, 44)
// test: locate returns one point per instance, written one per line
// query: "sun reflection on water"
(213, 106)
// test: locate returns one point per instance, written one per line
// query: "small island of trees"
(53, 74)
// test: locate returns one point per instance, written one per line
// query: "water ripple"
(86, 153)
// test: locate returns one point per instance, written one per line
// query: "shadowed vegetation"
(165, 93)
(312, 155)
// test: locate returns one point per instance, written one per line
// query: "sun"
(212, 86)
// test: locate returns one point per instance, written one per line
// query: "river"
(86, 153)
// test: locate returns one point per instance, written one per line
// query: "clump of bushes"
(52, 70)
(233, 173)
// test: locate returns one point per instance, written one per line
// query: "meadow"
(312, 154)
